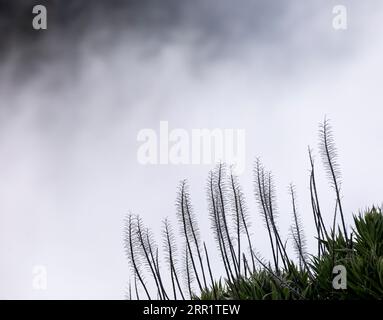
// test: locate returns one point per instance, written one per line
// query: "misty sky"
(74, 97)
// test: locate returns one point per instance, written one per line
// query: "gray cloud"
(74, 98)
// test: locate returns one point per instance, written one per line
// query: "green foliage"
(363, 262)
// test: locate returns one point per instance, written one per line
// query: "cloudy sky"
(74, 97)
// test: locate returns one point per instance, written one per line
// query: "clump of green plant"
(247, 275)
(363, 262)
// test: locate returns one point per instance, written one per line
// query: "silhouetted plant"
(171, 257)
(247, 275)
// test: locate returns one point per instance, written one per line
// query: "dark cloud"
(214, 20)
(218, 27)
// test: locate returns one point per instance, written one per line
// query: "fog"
(72, 104)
